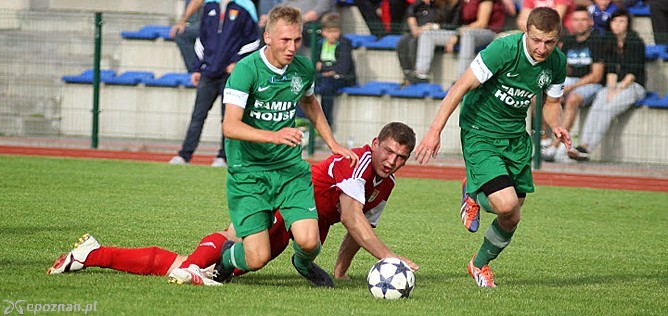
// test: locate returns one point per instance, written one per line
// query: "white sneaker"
(177, 160)
(562, 155)
(219, 162)
(74, 260)
(546, 142)
(548, 152)
(190, 275)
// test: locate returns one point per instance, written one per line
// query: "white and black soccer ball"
(391, 278)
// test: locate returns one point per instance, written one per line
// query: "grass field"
(577, 251)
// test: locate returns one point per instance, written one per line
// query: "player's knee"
(310, 245)
(257, 260)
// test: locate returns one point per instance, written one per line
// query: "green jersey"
(509, 79)
(269, 98)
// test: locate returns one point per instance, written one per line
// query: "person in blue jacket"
(228, 32)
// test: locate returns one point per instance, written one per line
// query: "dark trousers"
(407, 51)
(659, 15)
(208, 91)
(186, 43)
(368, 10)
(327, 88)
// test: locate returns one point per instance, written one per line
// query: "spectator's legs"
(368, 10)
(397, 13)
(406, 50)
(659, 15)
(328, 89)
(186, 43)
(471, 39)
(601, 113)
(426, 45)
(207, 92)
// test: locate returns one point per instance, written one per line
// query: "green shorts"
(252, 197)
(488, 158)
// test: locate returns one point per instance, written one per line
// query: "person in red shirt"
(355, 196)
(565, 9)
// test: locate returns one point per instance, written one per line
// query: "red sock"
(145, 261)
(207, 252)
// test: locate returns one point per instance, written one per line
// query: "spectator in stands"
(185, 33)
(563, 7)
(312, 10)
(228, 32)
(383, 17)
(334, 63)
(602, 10)
(658, 11)
(624, 56)
(584, 72)
(424, 15)
(480, 19)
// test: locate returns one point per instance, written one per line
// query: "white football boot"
(74, 260)
(190, 275)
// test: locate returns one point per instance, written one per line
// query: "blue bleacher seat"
(639, 9)
(360, 40)
(418, 90)
(388, 42)
(439, 95)
(130, 78)
(372, 88)
(655, 51)
(87, 76)
(654, 100)
(172, 79)
(149, 32)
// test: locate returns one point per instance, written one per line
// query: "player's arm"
(180, 25)
(235, 128)
(314, 113)
(430, 143)
(552, 116)
(357, 225)
(349, 247)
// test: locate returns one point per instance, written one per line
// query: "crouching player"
(355, 197)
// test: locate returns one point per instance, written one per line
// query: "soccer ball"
(391, 278)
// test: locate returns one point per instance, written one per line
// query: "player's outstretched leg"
(316, 275)
(469, 211)
(483, 276)
(190, 275)
(74, 260)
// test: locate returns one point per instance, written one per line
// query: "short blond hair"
(289, 15)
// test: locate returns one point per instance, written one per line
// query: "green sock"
(496, 239)
(482, 200)
(235, 257)
(303, 259)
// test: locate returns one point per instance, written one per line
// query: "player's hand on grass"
(346, 153)
(288, 136)
(428, 147)
(411, 264)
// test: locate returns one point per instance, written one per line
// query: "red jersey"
(334, 176)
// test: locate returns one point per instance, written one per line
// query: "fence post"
(313, 32)
(96, 79)
(537, 125)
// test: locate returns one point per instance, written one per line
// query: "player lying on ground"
(354, 196)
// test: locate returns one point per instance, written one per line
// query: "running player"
(496, 90)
